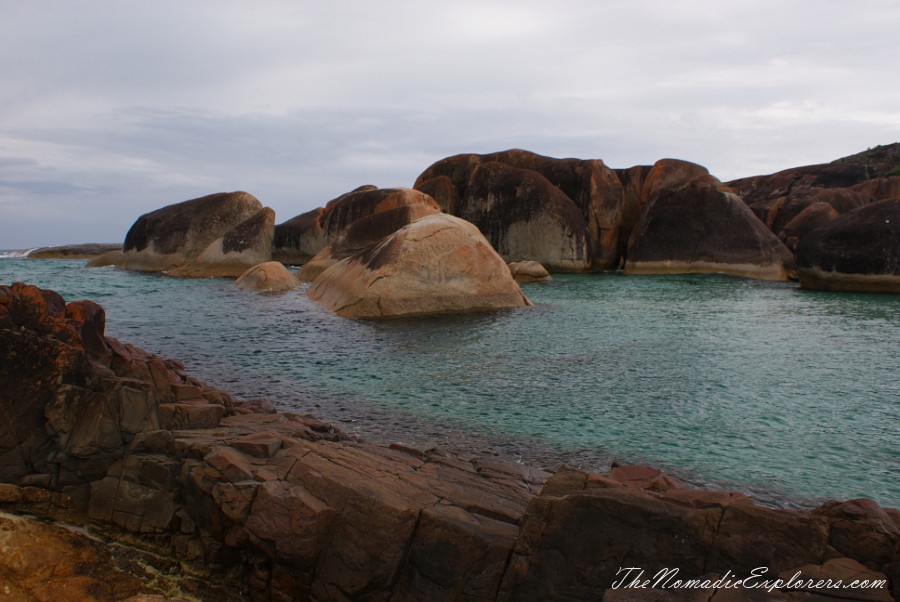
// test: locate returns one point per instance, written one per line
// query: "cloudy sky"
(110, 109)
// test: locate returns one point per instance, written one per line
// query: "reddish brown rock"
(270, 276)
(699, 228)
(858, 251)
(436, 264)
(303, 237)
(361, 235)
(814, 216)
(880, 189)
(668, 175)
(289, 508)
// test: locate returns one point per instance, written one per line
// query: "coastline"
(278, 506)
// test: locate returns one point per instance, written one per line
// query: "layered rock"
(699, 227)
(270, 276)
(283, 507)
(217, 235)
(436, 264)
(857, 251)
(301, 238)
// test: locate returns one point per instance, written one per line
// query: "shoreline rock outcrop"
(239, 505)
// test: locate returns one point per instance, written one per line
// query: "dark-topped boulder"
(525, 217)
(270, 276)
(436, 264)
(301, 238)
(594, 190)
(362, 234)
(224, 229)
(857, 251)
(702, 228)
(245, 245)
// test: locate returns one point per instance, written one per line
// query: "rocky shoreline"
(216, 499)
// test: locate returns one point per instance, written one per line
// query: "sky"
(111, 109)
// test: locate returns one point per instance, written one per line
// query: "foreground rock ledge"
(230, 500)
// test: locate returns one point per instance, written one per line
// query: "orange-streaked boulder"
(270, 276)
(436, 264)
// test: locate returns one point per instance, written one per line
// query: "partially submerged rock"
(528, 271)
(271, 276)
(85, 251)
(857, 251)
(436, 264)
(699, 228)
(217, 235)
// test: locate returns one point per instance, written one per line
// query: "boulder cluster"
(211, 498)
(830, 226)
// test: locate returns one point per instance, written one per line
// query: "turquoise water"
(790, 395)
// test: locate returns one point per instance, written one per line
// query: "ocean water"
(789, 395)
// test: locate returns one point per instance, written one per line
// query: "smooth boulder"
(529, 271)
(436, 264)
(241, 247)
(220, 234)
(700, 228)
(857, 251)
(270, 276)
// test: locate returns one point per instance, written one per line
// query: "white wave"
(16, 254)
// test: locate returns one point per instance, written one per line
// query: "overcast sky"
(109, 110)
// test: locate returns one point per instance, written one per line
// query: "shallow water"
(787, 394)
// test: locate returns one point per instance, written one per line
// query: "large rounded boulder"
(241, 247)
(525, 217)
(436, 264)
(220, 234)
(857, 251)
(699, 227)
(535, 198)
